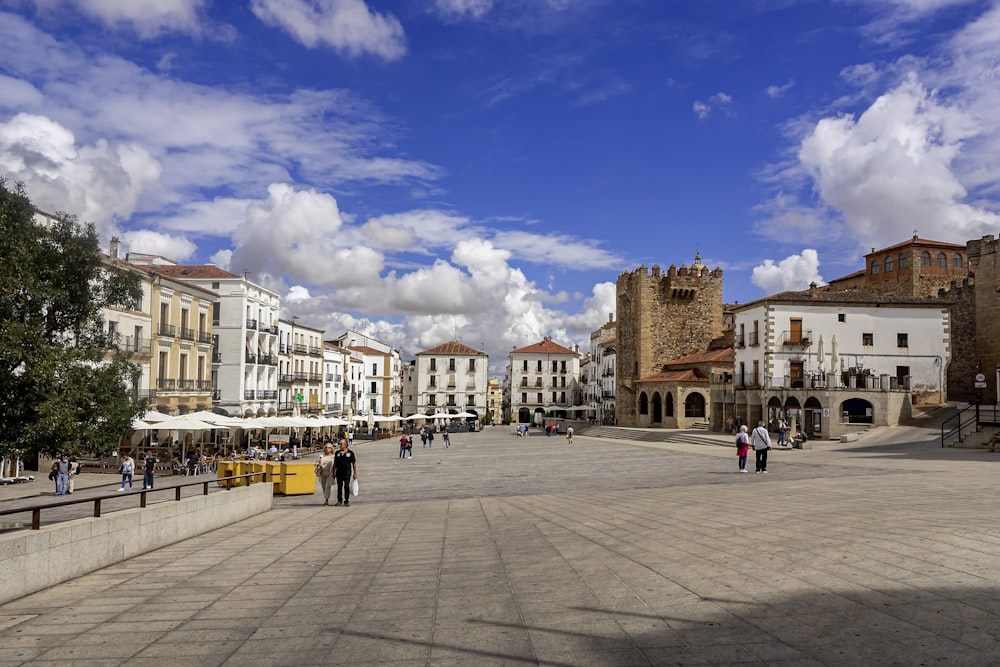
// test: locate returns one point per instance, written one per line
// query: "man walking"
(345, 467)
(63, 468)
(782, 430)
(761, 442)
(149, 467)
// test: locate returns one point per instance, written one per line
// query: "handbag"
(354, 487)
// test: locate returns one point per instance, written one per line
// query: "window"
(841, 317)
(434, 364)
(215, 285)
(563, 366)
(554, 397)
(902, 340)
(888, 264)
(875, 268)
(540, 399)
(374, 387)
(524, 366)
(432, 400)
(902, 261)
(925, 258)
(433, 381)
(374, 369)
(868, 339)
(112, 328)
(538, 366)
(373, 404)
(956, 261)
(451, 365)
(942, 261)
(472, 364)
(562, 397)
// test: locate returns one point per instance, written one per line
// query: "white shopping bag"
(354, 487)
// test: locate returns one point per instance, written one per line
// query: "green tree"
(63, 384)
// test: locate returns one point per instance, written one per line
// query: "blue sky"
(487, 168)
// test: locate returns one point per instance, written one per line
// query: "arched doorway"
(657, 408)
(670, 404)
(523, 416)
(643, 404)
(813, 421)
(694, 406)
(775, 412)
(793, 410)
(857, 411)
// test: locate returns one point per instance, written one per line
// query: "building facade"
(382, 391)
(451, 377)
(834, 362)
(601, 377)
(300, 368)
(914, 268)
(544, 381)
(662, 317)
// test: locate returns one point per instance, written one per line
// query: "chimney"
(611, 317)
(115, 247)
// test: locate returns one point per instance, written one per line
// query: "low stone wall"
(33, 560)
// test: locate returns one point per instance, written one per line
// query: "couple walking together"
(342, 466)
(761, 442)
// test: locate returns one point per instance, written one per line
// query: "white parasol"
(819, 353)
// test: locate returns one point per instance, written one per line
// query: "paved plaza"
(504, 550)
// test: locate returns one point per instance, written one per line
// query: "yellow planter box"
(297, 479)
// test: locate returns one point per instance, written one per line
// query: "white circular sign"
(980, 377)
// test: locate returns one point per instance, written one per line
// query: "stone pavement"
(510, 551)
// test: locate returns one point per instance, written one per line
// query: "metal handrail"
(36, 510)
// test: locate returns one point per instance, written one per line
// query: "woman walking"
(127, 468)
(742, 447)
(324, 471)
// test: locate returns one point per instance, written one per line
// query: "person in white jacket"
(761, 442)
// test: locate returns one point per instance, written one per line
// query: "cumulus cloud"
(99, 182)
(795, 272)
(558, 250)
(347, 26)
(704, 109)
(151, 242)
(890, 170)
(146, 19)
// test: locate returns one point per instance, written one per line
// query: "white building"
(383, 387)
(335, 389)
(544, 380)
(451, 377)
(245, 325)
(600, 388)
(300, 368)
(835, 362)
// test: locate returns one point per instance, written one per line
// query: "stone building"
(679, 395)
(914, 268)
(662, 317)
(980, 321)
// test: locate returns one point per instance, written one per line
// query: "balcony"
(273, 330)
(286, 406)
(301, 376)
(299, 348)
(268, 394)
(251, 325)
(607, 394)
(216, 357)
(167, 330)
(132, 345)
(204, 337)
(185, 385)
(251, 358)
(753, 339)
(284, 349)
(267, 359)
(315, 351)
(166, 384)
(315, 377)
(249, 395)
(143, 394)
(286, 378)
(216, 395)
(186, 334)
(802, 338)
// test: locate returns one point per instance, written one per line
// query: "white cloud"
(297, 293)
(890, 170)
(701, 110)
(147, 18)
(99, 182)
(779, 91)
(704, 109)
(347, 26)
(558, 250)
(795, 272)
(463, 9)
(152, 242)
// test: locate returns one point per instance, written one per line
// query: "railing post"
(204, 490)
(177, 493)
(142, 499)
(97, 508)
(36, 519)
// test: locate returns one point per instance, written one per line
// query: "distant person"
(127, 468)
(63, 469)
(74, 470)
(324, 471)
(345, 466)
(423, 435)
(409, 446)
(149, 467)
(993, 443)
(402, 445)
(761, 444)
(430, 438)
(782, 430)
(445, 436)
(742, 447)
(569, 435)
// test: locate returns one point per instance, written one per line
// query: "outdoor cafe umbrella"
(182, 423)
(819, 353)
(834, 358)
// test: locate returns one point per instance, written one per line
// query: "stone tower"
(662, 317)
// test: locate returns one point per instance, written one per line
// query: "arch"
(657, 416)
(643, 404)
(792, 402)
(694, 405)
(942, 261)
(956, 261)
(670, 404)
(925, 258)
(774, 402)
(524, 416)
(857, 411)
(888, 264)
(902, 260)
(812, 403)
(875, 266)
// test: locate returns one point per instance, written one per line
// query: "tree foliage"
(63, 385)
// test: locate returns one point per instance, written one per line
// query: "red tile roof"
(363, 349)
(675, 376)
(452, 347)
(724, 355)
(920, 242)
(545, 347)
